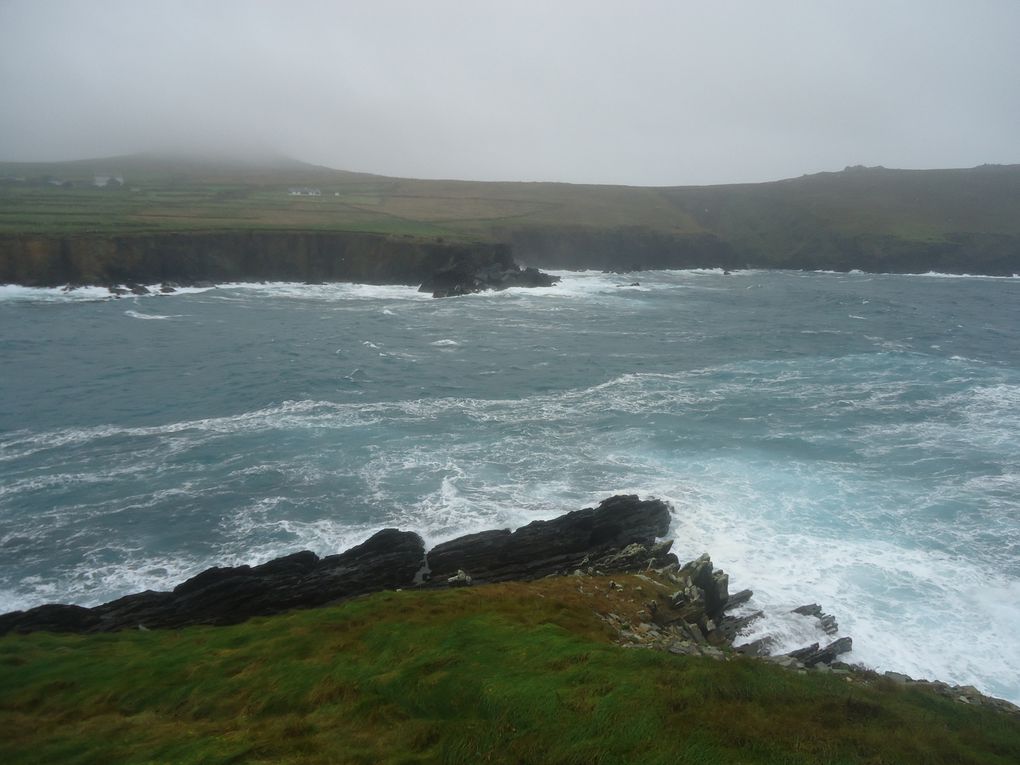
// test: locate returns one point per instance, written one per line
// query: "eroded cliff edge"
(49, 261)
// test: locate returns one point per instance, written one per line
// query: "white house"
(103, 180)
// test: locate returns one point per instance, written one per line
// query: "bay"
(847, 439)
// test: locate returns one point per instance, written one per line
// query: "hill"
(965, 220)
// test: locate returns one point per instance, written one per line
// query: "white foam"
(17, 293)
(447, 343)
(920, 598)
(939, 275)
(332, 291)
(137, 315)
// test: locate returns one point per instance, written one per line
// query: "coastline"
(683, 609)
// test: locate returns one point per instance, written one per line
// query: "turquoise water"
(849, 439)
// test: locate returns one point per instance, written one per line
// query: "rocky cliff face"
(797, 247)
(49, 261)
(619, 249)
(45, 261)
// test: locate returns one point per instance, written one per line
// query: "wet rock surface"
(390, 559)
(583, 538)
(652, 601)
(462, 277)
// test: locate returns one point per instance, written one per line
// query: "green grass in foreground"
(521, 673)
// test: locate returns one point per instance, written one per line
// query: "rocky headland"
(126, 263)
(615, 553)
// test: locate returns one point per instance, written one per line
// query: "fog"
(655, 93)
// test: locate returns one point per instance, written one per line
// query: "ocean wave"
(17, 294)
(137, 315)
(331, 291)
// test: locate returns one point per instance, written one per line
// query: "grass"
(514, 673)
(178, 194)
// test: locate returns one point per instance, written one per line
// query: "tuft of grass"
(517, 672)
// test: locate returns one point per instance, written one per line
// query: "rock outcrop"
(463, 277)
(557, 546)
(390, 559)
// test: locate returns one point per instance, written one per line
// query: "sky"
(636, 92)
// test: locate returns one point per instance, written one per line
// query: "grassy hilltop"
(507, 673)
(861, 217)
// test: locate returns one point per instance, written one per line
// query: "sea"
(851, 440)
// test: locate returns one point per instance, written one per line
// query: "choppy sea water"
(847, 439)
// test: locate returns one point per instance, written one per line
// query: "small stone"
(682, 648)
(898, 677)
(460, 579)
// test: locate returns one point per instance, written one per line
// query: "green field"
(965, 221)
(175, 194)
(512, 673)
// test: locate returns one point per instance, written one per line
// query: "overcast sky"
(656, 93)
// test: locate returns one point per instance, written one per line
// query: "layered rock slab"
(390, 559)
(561, 545)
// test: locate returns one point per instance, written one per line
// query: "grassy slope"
(508, 673)
(189, 194)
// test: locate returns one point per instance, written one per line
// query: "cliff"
(208, 221)
(222, 256)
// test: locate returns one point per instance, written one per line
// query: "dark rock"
(227, 595)
(295, 563)
(52, 617)
(210, 577)
(826, 621)
(556, 546)
(463, 277)
(812, 654)
(812, 609)
(622, 531)
(731, 626)
(738, 599)
(472, 552)
(137, 289)
(142, 608)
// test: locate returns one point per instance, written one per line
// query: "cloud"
(640, 93)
